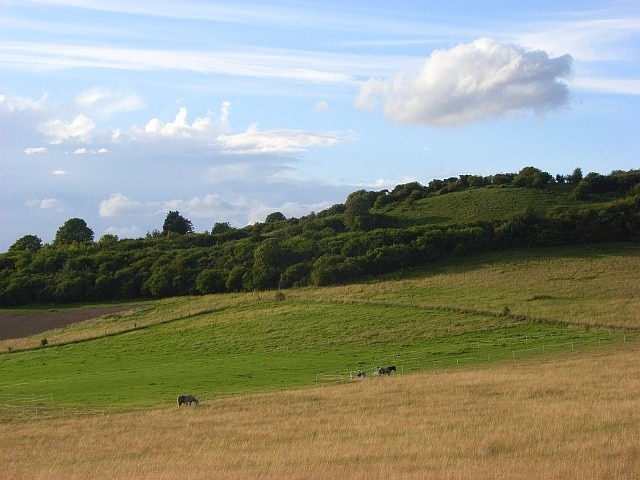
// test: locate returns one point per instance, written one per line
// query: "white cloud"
(206, 206)
(89, 98)
(321, 107)
(87, 151)
(211, 133)
(45, 203)
(607, 85)
(59, 172)
(255, 141)
(294, 65)
(179, 128)
(58, 130)
(259, 211)
(104, 102)
(118, 205)
(17, 104)
(225, 112)
(589, 39)
(125, 232)
(228, 171)
(469, 83)
(34, 150)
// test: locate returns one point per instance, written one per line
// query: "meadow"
(570, 416)
(515, 364)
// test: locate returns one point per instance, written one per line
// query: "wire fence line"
(426, 359)
(414, 359)
(411, 361)
(44, 405)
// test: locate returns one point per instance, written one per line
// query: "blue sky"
(120, 111)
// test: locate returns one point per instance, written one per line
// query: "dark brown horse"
(187, 399)
(386, 370)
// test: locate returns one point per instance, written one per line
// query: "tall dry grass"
(569, 417)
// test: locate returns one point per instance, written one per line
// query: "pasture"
(505, 363)
(569, 416)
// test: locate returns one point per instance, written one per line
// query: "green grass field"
(507, 306)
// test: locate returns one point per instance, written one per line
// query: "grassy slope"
(436, 318)
(489, 203)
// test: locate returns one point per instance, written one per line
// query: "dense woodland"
(372, 233)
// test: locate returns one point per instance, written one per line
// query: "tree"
(211, 281)
(275, 217)
(575, 177)
(268, 263)
(176, 223)
(532, 177)
(28, 243)
(221, 227)
(237, 278)
(357, 215)
(108, 240)
(74, 230)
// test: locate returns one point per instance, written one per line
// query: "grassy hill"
(372, 233)
(510, 362)
(504, 306)
(482, 204)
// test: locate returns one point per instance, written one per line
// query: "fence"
(426, 359)
(505, 348)
(17, 407)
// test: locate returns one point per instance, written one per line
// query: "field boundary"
(420, 361)
(425, 360)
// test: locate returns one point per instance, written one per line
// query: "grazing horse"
(187, 399)
(386, 370)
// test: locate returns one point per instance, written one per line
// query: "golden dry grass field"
(570, 416)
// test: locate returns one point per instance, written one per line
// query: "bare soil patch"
(24, 324)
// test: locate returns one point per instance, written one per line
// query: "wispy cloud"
(591, 37)
(104, 102)
(607, 85)
(45, 203)
(256, 141)
(34, 150)
(293, 65)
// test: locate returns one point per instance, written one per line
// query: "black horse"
(386, 370)
(187, 399)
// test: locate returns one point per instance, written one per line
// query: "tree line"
(345, 242)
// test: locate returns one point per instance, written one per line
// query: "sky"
(118, 112)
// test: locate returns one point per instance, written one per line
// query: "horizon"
(227, 112)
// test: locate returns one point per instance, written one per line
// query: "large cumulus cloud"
(471, 82)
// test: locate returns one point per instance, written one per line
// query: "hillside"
(371, 234)
(483, 204)
(515, 361)
(500, 307)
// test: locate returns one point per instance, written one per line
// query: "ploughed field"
(33, 322)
